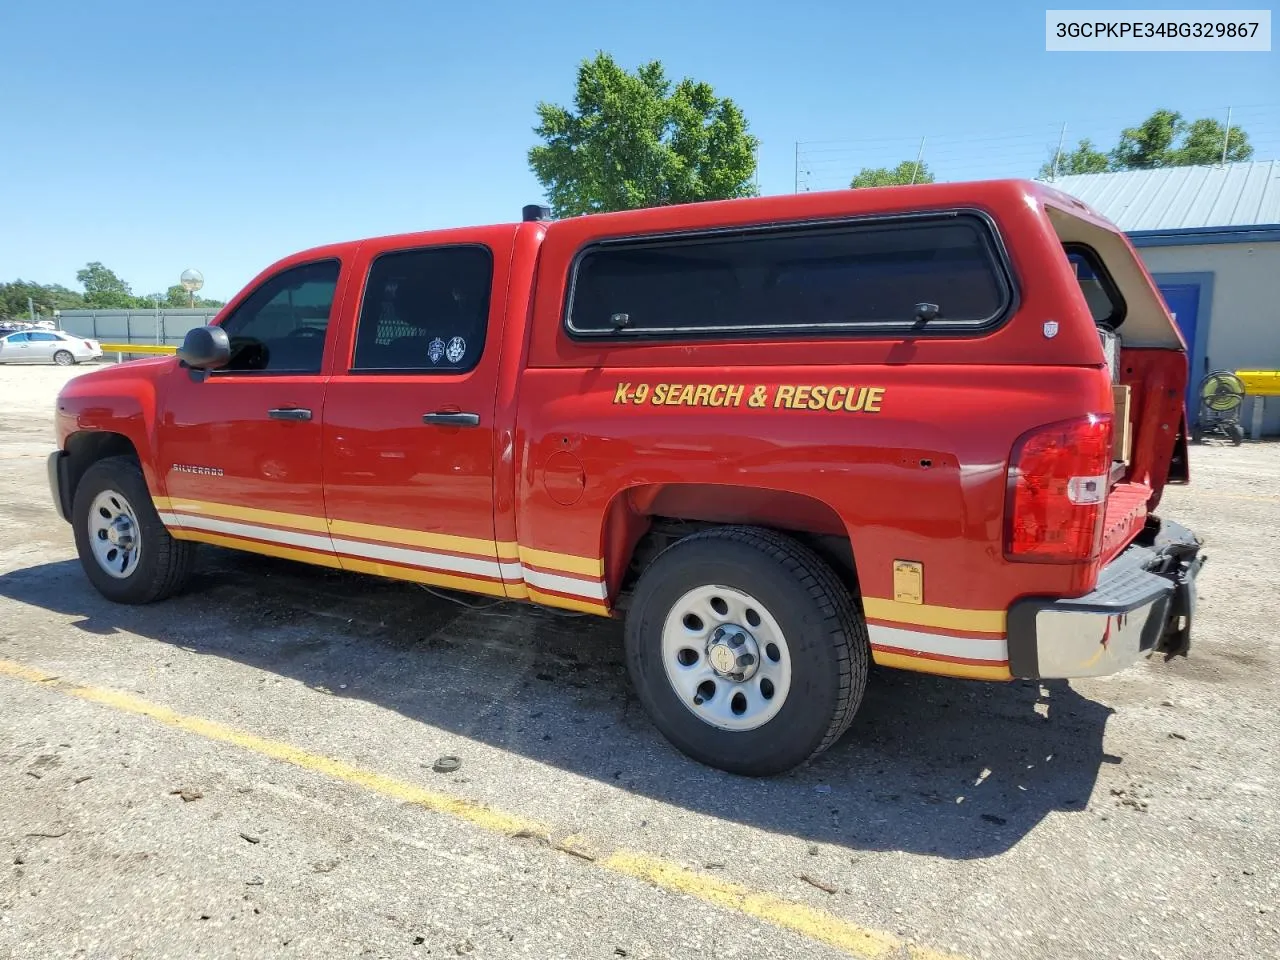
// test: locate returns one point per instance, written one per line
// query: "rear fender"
(660, 512)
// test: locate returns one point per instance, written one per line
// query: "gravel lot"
(1131, 816)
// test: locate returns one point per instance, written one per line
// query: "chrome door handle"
(452, 419)
(289, 413)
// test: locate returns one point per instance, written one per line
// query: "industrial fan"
(1221, 398)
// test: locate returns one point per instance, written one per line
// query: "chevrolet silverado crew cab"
(785, 438)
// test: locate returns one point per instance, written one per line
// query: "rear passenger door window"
(425, 311)
(929, 273)
(282, 326)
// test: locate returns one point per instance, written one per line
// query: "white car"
(44, 346)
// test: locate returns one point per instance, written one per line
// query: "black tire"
(825, 634)
(164, 564)
(64, 358)
(1236, 433)
(1197, 434)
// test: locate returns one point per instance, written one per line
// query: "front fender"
(115, 400)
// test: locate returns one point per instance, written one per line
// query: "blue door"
(1183, 301)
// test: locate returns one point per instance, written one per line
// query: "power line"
(1192, 113)
(823, 164)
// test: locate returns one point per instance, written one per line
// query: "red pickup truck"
(925, 427)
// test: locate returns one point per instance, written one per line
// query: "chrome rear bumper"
(1144, 603)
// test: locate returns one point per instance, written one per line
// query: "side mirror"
(205, 348)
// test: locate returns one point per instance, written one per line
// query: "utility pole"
(797, 166)
(919, 157)
(31, 309)
(1057, 156)
(1226, 137)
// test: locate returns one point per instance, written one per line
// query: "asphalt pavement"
(248, 771)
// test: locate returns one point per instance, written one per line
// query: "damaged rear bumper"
(1144, 603)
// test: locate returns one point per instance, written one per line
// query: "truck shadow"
(931, 766)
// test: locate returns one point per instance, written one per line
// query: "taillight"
(1058, 480)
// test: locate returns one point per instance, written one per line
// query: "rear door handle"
(452, 419)
(289, 413)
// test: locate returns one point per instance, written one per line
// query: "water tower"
(191, 280)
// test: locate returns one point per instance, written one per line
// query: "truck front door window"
(281, 327)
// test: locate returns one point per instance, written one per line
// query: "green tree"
(1165, 139)
(907, 172)
(46, 298)
(177, 296)
(1202, 143)
(1085, 158)
(636, 140)
(103, 289)
(1149, 144)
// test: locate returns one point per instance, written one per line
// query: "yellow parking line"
(817, 925)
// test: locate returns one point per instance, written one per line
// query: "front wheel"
(63, 358)
(746, 649)
(125, 550)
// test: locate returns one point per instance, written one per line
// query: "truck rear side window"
(425, 310)
(865, 277)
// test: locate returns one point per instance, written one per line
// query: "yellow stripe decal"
(505, 550)
(567, 603)
(450, 581)
(942, 668)
(800, 918)
(254, 546)
(248, 514)
(949, 618)
(583, 566)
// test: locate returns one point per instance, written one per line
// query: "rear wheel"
(1236, 433)
(125, 550)
(746, 649)
(63, 358)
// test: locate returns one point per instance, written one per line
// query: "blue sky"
(155, 137)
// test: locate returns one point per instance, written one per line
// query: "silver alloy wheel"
(114, 534)
(63, 358)
(726, 658)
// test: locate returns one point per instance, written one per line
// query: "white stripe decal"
(419, 558)
(311, 541)
(593, 589)
(995, 649)
(588, 589)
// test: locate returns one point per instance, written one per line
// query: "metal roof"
(1183, 198)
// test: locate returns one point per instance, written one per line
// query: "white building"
(1210, 236)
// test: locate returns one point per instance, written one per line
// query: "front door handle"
(289, 413)
(452, 419)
